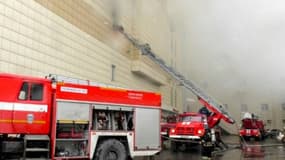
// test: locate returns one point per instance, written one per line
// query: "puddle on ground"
(268, 149)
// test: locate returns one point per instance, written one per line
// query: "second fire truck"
(251, 127)
(199, 128)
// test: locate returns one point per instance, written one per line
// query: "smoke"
(233, 46)
(234, 49)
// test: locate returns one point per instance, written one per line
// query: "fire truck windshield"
(190, 119)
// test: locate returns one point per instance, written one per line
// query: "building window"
(283, 121)
(268, 121)
(188, 108)
(264, 107)
(243, 107)
(283, 106)
(113, 71)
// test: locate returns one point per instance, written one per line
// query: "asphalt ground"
(268, 149)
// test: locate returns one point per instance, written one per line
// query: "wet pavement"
(269, 149)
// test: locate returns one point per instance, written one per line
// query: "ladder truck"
(210, 103)
(60, 118)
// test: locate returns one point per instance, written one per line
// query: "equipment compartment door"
(147, 128)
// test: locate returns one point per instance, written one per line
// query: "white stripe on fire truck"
(23, 107)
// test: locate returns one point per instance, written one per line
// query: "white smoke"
(235, 47)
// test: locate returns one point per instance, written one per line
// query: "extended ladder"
(146, 50)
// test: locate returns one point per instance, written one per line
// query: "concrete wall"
(75, 38)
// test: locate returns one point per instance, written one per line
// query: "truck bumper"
(185, 137)
(163, 133)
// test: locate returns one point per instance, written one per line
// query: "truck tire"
(245, 138)
(259, 138)
(207, 150)
(111, 149)
(173, 146)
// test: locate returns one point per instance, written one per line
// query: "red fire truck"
(251, 127)
(189, 125)
(166, 124)
(64, 118)
(198, 128)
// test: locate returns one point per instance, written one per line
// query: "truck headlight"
(200, 131)
(172, 130)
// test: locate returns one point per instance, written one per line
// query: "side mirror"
(22, 95)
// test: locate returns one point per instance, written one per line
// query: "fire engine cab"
(65, 118)
(189, 126)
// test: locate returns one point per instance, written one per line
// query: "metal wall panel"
(147, 122)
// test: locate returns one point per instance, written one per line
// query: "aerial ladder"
(209, 102)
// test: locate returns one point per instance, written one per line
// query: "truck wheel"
(111, 149)
(244, 138)
(173, 146)
(207, 150)
(259, 138)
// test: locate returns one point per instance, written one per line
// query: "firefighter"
(204, 111)
(219, 142)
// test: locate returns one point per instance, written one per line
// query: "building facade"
(76, 38)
